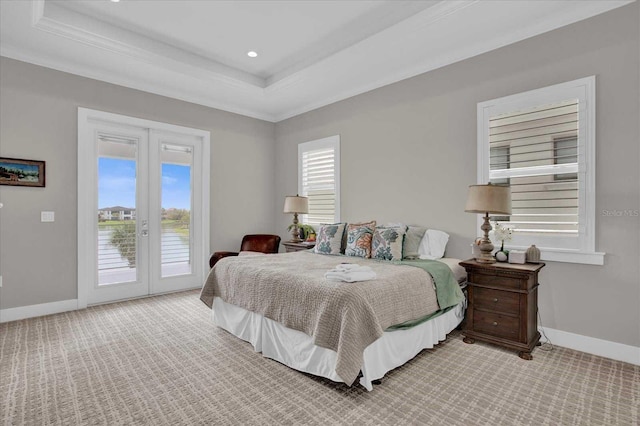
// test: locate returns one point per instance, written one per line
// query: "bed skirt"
(296, 349)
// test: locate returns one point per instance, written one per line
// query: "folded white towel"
(351, 276)
(351, 267)
(346, 266)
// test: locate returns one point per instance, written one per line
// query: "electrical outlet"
(47, 216)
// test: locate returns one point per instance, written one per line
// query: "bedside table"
(503, 305)
(290, 246)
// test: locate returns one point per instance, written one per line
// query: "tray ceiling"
(310, 53)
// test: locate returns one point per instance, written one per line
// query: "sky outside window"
(117, 184)
(176, 186)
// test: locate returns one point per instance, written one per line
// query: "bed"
(286, 309)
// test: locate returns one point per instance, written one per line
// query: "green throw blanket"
(447, 289)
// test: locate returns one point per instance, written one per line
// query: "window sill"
(567, 256)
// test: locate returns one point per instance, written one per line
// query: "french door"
(142, 207)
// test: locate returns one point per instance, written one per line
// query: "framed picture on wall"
(17, 172)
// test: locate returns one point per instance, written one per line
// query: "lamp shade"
(489, 199)
(296, 204)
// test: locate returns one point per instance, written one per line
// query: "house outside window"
(319, 179)
(542, 144)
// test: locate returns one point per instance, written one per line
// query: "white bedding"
(459, 272)
(296, 349)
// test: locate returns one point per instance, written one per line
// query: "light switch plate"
(47, 216)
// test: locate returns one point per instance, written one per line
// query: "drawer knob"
(495, 300)
(495, 323)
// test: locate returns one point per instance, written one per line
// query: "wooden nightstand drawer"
(496, 300)
(502, 305)
(496, 324)
(498, 281)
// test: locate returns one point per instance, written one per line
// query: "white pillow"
(433, 244)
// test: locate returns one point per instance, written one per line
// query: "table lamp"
(485, 199)
(296, 204)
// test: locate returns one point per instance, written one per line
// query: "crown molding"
(385, 16)
(20, 54)
(50, 35)
(69, 24)
(420, 21)
(437, 13)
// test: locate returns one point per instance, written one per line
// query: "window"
(542, 144)
(319, 179)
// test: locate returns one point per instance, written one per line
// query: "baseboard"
(32, 311)
(22, 312)
(592, 345)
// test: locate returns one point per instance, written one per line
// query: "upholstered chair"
(263, 243)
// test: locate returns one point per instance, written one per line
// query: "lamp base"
(485, 246)
(486, 258)
(295, 232)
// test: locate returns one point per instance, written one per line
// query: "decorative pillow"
(329, 238)
(437, 242)
(412, 241)
(433, 244)
(359, 236)
(387, 243)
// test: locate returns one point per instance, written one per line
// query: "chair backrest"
(264, 243)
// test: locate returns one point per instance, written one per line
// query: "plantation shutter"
(318, 183)
(536, 152)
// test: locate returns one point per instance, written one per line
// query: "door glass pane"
(116, 217)
(176, 245)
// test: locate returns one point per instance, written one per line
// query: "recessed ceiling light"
(252, 54)
(115, 1)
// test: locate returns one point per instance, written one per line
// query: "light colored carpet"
(160, 360)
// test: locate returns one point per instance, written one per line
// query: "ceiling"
(310, 53)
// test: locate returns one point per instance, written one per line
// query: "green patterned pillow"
(359, 237)
(387, 243)
(329, 238)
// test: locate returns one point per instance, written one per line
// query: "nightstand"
(290, 246)
(503, 305)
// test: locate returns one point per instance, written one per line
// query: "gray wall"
(408, 153)
(38, 120)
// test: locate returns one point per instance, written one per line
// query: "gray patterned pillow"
(329, 238)
(387, 243)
